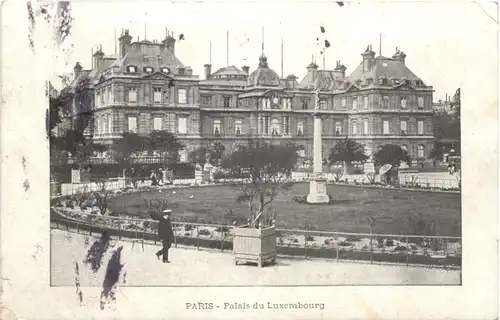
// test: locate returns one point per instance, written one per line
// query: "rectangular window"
(132, 94)
(286, 125)
(403, 102)
(322, 105)
(206, 100)
(403, 127)
(105, 124)
(338, 128)
(266, 125)
(302, 153)
(305, 104)
(386, 127)
(132, 124)
(420, 127)
(300, 128)
(238, 126)
(108, 97)
(354, 103)
(365, 101)
(217, 127)
(385, 102)
(181, 96)
(98, 97)
(103, 96)
(157, 124)
(365, 126)
(182, 125)
(420, 102)
(227, 102)
(343, 102)
(157, 98)
(110, 124)
(354, 129)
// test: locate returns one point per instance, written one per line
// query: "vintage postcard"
(273, 159)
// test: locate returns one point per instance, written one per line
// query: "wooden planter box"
(254, 245)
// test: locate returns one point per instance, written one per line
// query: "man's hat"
(167, 213)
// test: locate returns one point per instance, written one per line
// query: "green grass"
(348, 213)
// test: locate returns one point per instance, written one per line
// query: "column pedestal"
(317, 184)
(317, 191)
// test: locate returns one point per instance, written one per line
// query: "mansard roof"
(383, 68)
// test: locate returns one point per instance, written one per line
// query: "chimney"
(399, 55)
(169, 42)
(125, 40)
(368, 58)
(208, 71)
(77, 69)
(312, 71)
(246, 69)
(339, 71)
(98, 55)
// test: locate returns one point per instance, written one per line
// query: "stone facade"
(233, 105)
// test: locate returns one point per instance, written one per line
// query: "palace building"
(145, 87)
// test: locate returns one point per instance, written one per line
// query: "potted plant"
(262, 172)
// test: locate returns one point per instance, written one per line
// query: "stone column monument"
(317, 184)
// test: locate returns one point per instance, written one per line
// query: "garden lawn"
(349, 213)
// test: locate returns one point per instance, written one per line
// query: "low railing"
(375, 248)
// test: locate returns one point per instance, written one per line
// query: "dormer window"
(148, 69)
(408, 81)
(165, 70)
(131, 69)
(395, 81)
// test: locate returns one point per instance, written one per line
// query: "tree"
(455, 104)
(199, 156)
(216, 153)
(58, 107)
(127, 145)
(390, 154)
(263, 170)
(347, 150)
(166, 144)
(437, 152)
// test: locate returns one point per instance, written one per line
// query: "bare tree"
(261, 172)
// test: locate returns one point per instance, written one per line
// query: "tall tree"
(391, 154)
(263, 170)
(347, 151)
(166, 144)
(216, 153)
(126, 146)
(199, 156)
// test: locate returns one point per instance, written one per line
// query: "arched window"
(275, 127)
(420, 151)
(132, 69)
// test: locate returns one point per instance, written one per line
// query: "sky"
(436, 36)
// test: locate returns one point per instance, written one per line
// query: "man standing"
(166, 235)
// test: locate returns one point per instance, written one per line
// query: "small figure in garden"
(166, 235)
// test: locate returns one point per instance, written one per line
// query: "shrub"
(309, 238)
(222, 229)
(337, 175)
(204, 232)
(327, 242)
(345, 244)
(353, 238)
(389, 242)
(295, 240)
(188, 227)
(400, 248)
